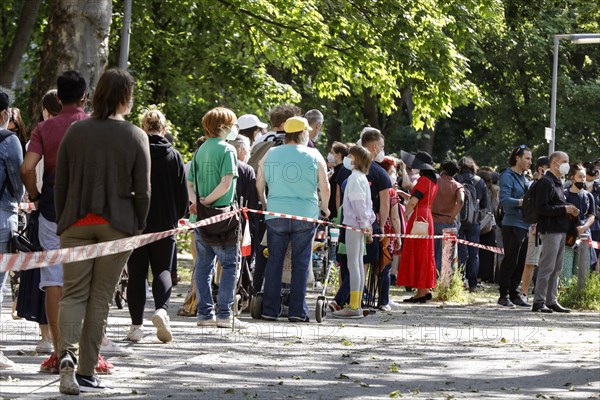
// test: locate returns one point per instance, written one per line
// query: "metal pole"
(125, 35)
(551, 145)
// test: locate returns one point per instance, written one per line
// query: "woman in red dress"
(417, 268)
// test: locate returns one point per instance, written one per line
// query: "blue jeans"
(384, 286)
(281, 232)
(343, 294)
(469, 255)
(438, 228)
(205, 266)
(8, 223)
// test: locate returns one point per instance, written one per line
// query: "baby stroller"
(319, 269)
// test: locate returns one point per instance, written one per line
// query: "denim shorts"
(52, 275)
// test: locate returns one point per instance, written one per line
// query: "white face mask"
(589, 185)
(232, 134)
(379, 157)
(564, 168)
(330, 158)
(348, 164)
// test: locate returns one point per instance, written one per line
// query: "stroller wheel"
(320, 310)
(256, 306)
(237, 305)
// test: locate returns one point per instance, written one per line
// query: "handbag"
(420, 224)
(488, 222)
(222, 233)
(25, 241)
(420, 227)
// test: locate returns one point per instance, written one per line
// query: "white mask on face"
(379, 157)
(564, 168)
(330, 158)
(348, 164)
(589, 185)
(232, 134)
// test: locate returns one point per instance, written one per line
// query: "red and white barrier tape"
(23, 261)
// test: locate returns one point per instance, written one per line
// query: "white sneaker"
(228, 322)
(393, 304)
(135, 334)
(206, 322)
(44, 347)
(108, 347)
(5, 363)
(385, 307)
(160, 319)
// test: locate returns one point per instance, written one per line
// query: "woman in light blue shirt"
(292, 173)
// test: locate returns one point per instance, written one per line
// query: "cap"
(248, 121)
(296, 124)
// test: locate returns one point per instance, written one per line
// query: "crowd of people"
(96, 178)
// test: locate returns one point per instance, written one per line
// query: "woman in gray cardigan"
(102, 193)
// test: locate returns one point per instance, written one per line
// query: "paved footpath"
(430, 351)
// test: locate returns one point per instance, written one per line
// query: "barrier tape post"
(584, 261)
(449, 256)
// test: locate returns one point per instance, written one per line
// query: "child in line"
(358, 213)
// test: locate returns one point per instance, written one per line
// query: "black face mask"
(579, 185)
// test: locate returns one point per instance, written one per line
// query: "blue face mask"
(348, 164)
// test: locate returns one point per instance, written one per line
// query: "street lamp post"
(576, 38)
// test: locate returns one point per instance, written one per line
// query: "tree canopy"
(451, 77)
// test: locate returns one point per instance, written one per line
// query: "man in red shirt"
(45, 141)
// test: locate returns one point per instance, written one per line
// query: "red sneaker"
(50, 365)
(104, 367)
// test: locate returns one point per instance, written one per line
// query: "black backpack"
(469, 213)
(529, 209)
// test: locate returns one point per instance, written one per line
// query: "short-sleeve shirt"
(45, 141)
(445, 201)
(378, 179)
(214, 159)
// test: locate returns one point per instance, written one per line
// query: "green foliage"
(455, 292)
(586, 299)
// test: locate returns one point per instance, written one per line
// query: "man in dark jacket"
(469, 255)
(553, 225)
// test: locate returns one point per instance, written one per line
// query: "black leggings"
(159, 255)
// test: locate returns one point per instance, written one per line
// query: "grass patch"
(586, 299)
(455, 292)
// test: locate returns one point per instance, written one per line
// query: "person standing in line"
(553, 225)
(534, 247)
(469, 230)
(315, 121)
(417, 269)
(102, 193)
(44, 143)
(168, 203)
(513, 185)
(358, 213)
(213, 176)
(294, 193)
(446, 205)
(11, 192)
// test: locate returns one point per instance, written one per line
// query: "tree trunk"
(76, 38)
(425, 139)
(370, 110)
(334, 122)
(9, 64)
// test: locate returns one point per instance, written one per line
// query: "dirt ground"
(432, 351)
